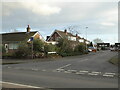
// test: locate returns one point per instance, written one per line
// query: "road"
(86, 71)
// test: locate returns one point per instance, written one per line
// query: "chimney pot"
(65, 31)
(28, 28)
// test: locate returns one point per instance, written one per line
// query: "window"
(13, 46)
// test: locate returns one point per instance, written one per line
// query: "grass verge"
(114, 60)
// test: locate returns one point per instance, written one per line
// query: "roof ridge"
(17, 32)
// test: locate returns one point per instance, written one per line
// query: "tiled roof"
(63, 34)
(17, 36)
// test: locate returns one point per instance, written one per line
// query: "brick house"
(11, 40)
(61, 34)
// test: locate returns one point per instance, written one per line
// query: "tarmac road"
(86, 71)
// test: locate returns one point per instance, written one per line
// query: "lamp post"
(31, 39)
(86, 38)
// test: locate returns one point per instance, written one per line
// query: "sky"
(100, 17)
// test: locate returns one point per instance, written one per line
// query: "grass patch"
(114, 60)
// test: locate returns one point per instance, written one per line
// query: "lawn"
(114, 60)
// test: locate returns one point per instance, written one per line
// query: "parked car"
(92, 49)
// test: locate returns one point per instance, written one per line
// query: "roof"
(63, 34)
(17, 36)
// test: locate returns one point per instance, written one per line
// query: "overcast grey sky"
(101, 18)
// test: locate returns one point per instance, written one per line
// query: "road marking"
(60, 69)
(108, 75)
(79, 73)
(8, 67)
(83, 60)
(34, 69)
(67, 72)
(84, 71)
(43, 70)
(73, 71)
(64, 66)
(22, 85)
(95, 74)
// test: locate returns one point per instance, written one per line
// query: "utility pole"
(86, 38)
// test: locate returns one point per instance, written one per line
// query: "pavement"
(85, 71)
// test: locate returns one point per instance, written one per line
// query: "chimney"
(76, 35)
(65, 31)
(47, 38)
(28, 28)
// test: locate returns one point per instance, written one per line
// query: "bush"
(64, 46)
(38, 45)
(23, 51)
(49, 48)
(80, 48)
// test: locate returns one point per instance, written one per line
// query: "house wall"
(10, 46)
(54, 37)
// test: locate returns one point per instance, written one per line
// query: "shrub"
(38, 45)
(49, 48)
(23, 51)
(64, 45)
(80, 48)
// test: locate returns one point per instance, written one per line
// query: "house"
(11, 40)
(61, 34)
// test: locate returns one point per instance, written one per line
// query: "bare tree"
(97, 40)
(74, 29)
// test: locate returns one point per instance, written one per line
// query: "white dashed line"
(105, 75)
(84, 71)
(8, 67)
(73, 71)
(110, 73)
(64, 66)
(67, 72)
(43, 70)
(34, 69)
(79, 73)
(95, 74)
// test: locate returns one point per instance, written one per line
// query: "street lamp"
(86, 38)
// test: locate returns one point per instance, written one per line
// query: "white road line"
(8, 67)
(43, 70)
(95, 74)
(83, 60)
(34, 69)
(67, 72)
(29, 86)
(79, 73)
(105, 75)
(60, 69)
(110, 73)
(84, 71)
(72, 70)
(64, 66)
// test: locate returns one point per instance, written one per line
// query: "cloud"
(40, 8)
(107, 24)
(35, 7)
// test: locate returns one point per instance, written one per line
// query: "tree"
(91, 44)
(38, 45)
(97, 40)
(80, 48)
(64, 45)
(74, 29)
